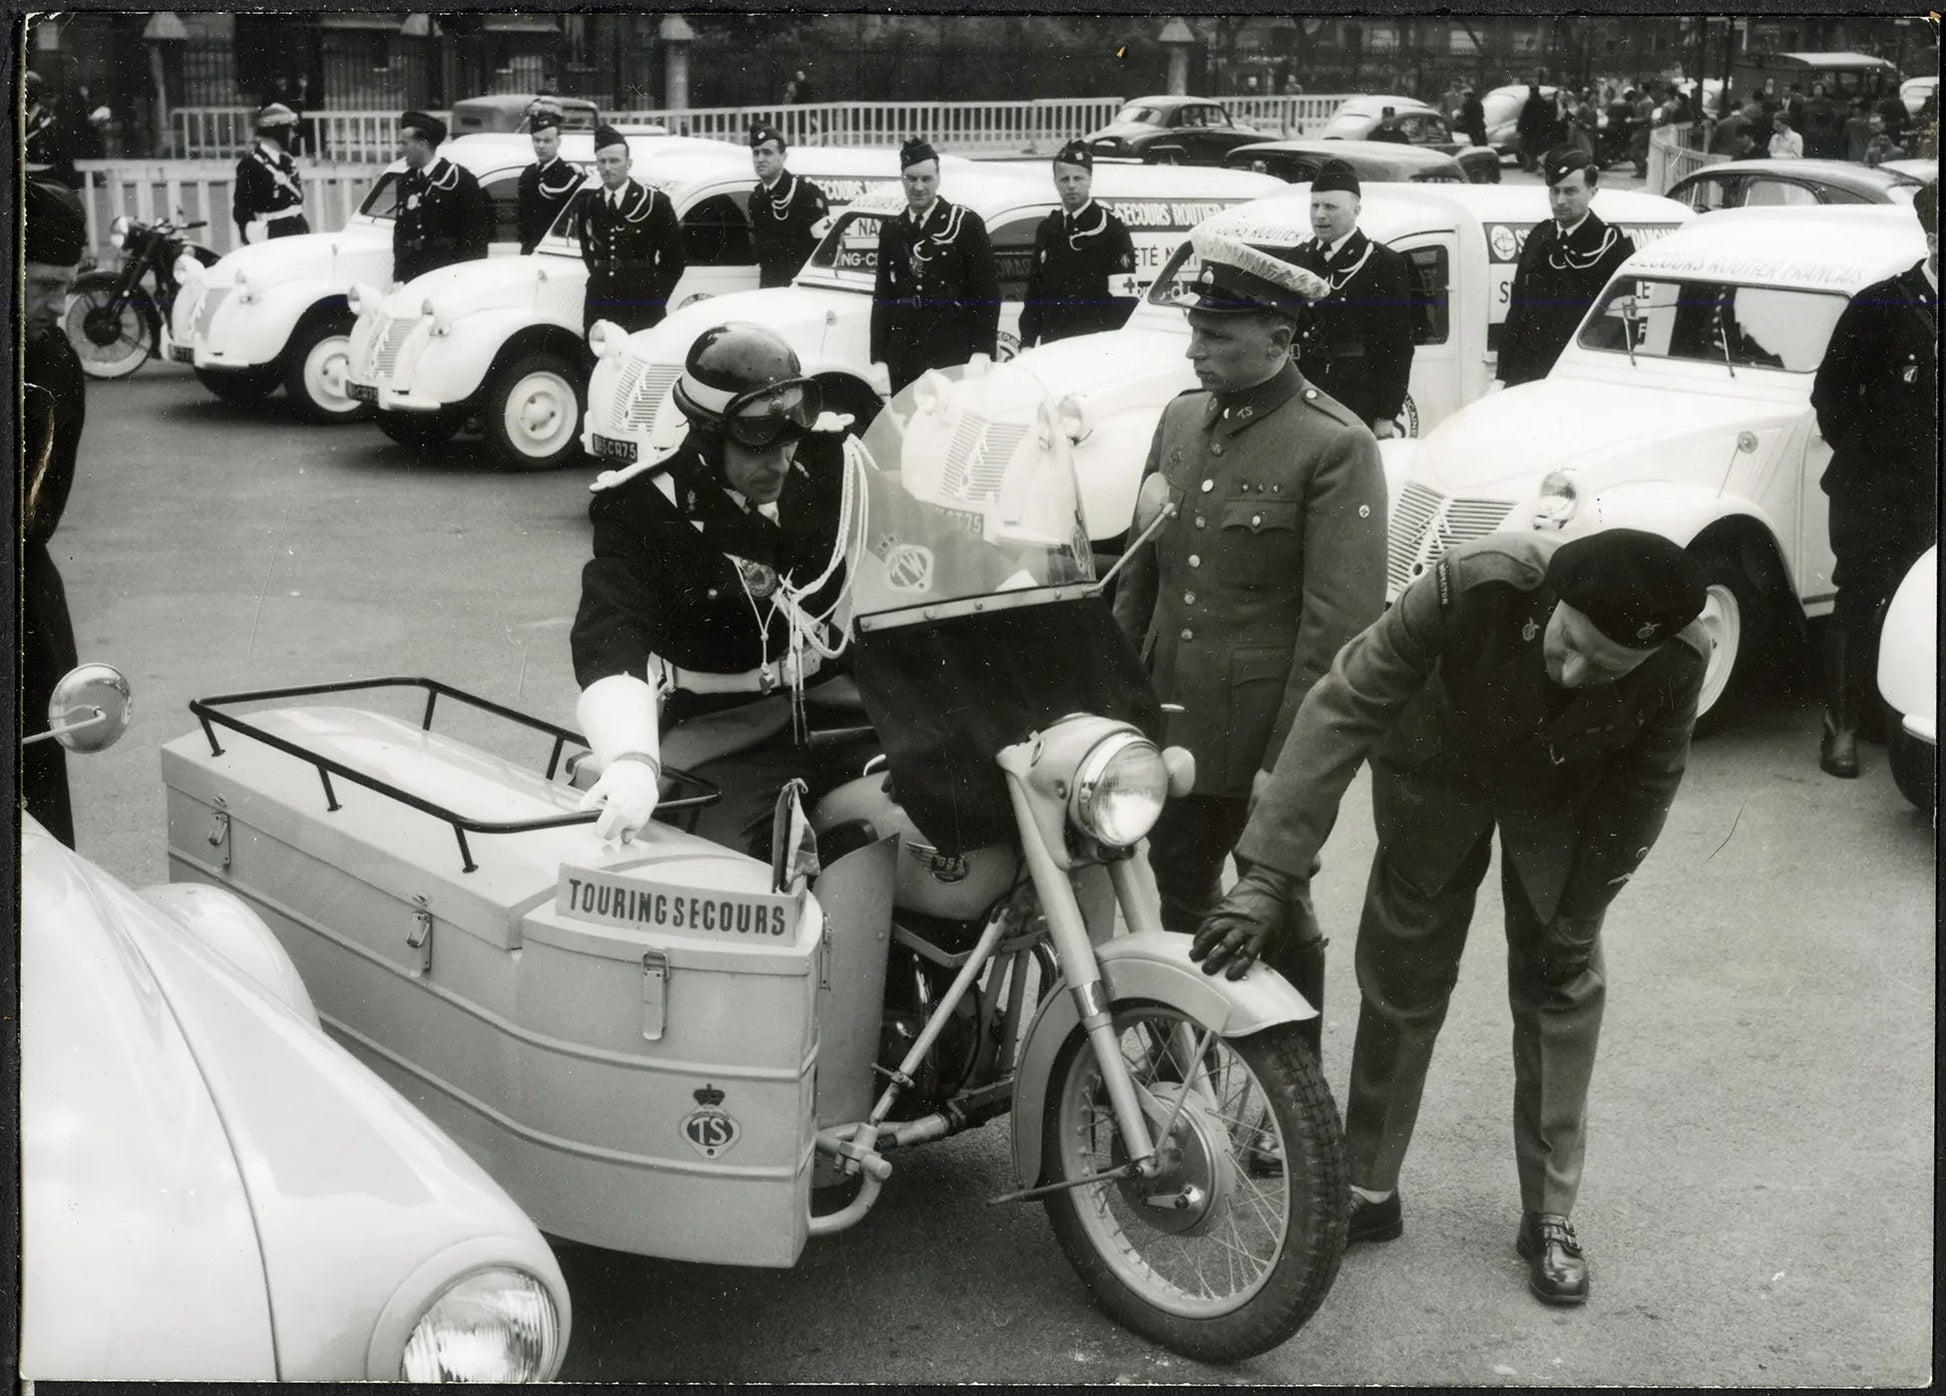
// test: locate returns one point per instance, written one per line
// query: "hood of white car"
(335, 257)
(492, 283)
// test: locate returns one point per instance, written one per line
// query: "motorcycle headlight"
(441, 326)
(496, 1325)
(118, 230)
(1073, 416)
(244, 291)
(1559, 499)
(1119, 788)
(188, 271)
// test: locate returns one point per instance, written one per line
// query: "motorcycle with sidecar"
(669, 1048)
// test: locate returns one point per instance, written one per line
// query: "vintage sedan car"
(1923, 170)
(1791, 184)
(1377, 162)
(1502, 107)
(1422, 126)
(213, 1190)
(825, 315)
(1682, 407)
(507, 111)
(1173, 131)
(1908, 681)
(502, 339)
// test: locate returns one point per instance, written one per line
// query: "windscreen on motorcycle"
(976, 617)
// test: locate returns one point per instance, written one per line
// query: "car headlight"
(605, 337)
(1558, 502)
(188, 271)
(1119, 788)
(496, 1324)
(1073, 416)
(441, 326)
(118, 230)
(244, 291)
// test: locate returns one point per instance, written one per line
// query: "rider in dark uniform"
(269, 200)
(937, 299)
(706, 611)
(443, 217)
(1356, 343)
(630, 240)
(547, 185)
(1083, 277)
(1566, 262)
(54, 406)
(787, 214)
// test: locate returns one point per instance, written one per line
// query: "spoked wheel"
(111, 340)
(1233, 1244)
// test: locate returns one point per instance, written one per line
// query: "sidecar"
(624, 1037)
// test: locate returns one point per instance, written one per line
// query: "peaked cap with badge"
(1237, 278)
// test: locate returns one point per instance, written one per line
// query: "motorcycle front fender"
(1153, 966)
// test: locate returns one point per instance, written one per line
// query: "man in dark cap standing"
(630, 240)
(1877, 400)
(1388, 128)
(443, 217)
(548, 185)
(1357, 340)
(1083, 277)
(1545, 688)
(54, 406)
(43, 144)
(1562, 268)
(936, 302)
(269, 200)
(1274, 558)
(787, 214)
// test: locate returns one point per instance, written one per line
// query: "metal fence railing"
(200, 191)
(1673, 153)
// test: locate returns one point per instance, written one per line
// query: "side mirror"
(90, 709)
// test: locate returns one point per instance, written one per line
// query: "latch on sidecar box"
(219, 833)
(420, 936)
(655, 994)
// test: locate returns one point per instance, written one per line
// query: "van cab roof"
(1829, 249)
(1389, 211)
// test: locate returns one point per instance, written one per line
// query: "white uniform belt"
(766, 678)
(282, 213)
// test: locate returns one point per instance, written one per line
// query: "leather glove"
(626, 795)
(1257, 917)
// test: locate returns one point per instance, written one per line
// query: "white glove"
(626, 795)
(618, 717)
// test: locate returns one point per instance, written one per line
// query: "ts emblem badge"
(708, 1129)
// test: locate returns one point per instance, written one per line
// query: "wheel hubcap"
(325, 374)
(540, 414)
(1723, 621)
(1191, 1185)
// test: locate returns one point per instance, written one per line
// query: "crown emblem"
(1208, 278)
(708, 1095)
(1647, 632)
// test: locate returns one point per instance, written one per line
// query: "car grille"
(1425, 523)
(388, 337)
(976, 461)
(639, 390)
(206, 309)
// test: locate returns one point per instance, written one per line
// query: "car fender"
(225, 923)
(1908, 671)
(256, 333)
(1679, 512)
(446, 370)
(1108, 468)
(1153, 966)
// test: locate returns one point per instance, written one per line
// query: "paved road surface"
(1759, 1198)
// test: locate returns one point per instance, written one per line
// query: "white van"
(502, 341)
(826, 313)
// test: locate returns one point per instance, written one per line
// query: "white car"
(1460, 242)
(213, 1190)
(1682, 407)
(274, 313)
(502, 339)
(1908, 680)
(826, 313)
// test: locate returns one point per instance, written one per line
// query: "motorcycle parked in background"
(117, 320)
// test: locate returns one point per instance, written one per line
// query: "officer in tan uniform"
(1275, 558)
(1549, 690)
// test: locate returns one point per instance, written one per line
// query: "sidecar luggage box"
(625, 1038)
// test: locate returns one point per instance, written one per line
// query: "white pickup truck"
(825, 314)
(1682, 407)
(502, 340)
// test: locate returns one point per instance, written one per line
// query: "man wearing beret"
(269, 200)
(1357, 340)
(936, 302)
(787, 214)
(630, 240)
(1083, 276)
(1545, 688)
(1877, 400)
(54, 406)
(548, 185)
(443, 217)
(1562, 268)
(1275, 557)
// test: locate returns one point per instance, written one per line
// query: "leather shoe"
(1838, 748)
(1375, 1221)
(1556, 1272)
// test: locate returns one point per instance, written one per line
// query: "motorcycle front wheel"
(111, 340)
(1229, 1249)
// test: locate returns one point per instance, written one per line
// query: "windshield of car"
(848, 255)
(1346, 122)
(1175, 287)
(1135, 111)
(382, 199)
(1715, 322)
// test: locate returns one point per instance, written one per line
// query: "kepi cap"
(606, 136)
(915, 149)
(1076, 152)
(1563, 161)
(1638, 588)
(1237, 278)
(431, 127)
(1336, 175)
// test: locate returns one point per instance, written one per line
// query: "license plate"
(182, 353)
(610, 449)
(362, 392)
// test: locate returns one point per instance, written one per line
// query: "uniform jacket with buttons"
(936, 301)
(1275, 560)
(785, 223)
(1555, 281)
(1448, 693)
(1356, 343)
(543, 192)
(265, 184)
(1083, 277)
(1877, 399)
(633, 251)
(681, 568)
(443, 218)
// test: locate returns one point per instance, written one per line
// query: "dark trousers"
(1187, 847)
(1409, 944)
(752, 779)
(47, 652)
(1873, 548)
(628, 301)
(288, 227)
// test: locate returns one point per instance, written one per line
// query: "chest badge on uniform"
(411, 201)
(709, 1129)
(1647, 632)
(1529, 630)
(759, 579)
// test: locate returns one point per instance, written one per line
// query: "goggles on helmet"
(782, 411)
